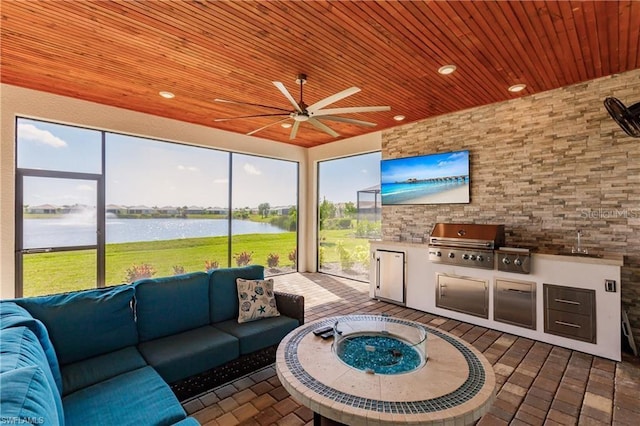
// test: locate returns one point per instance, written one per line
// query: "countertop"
(613, 259)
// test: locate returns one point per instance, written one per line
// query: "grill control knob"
(517, 262)
(506, 261)
(465, 256)
(452, 255)
(473, 257)
(438, 254)
(480, 258)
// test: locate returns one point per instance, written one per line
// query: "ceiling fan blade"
(249, 103)
(268, 125)
(320, 126)
(350, 110)
(287, 95)
(252, 116)
(333, 98)
(294, 130)
(347, 120)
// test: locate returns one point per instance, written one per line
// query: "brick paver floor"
(537, 383)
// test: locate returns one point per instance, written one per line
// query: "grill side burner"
(465, 244)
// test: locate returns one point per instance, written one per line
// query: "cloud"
(221, 180)
(364, 171)
(188, 168)
(85, 187)
(250, 169)
(29, 132)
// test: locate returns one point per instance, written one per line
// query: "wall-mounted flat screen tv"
(441, 178)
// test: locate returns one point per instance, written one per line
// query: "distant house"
(140, 210)
(280, 210)
(194, 210)
(168, 210)
(43, 209)
(116, 209)
(217, 210)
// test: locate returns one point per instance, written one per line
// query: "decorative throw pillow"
(256, 300)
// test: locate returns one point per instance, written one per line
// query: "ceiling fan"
(311, 114)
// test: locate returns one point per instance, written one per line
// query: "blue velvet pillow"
(224, 291)
(25, 396)
(19, 348)
(13, 315)
(86, 323)
(170, 305)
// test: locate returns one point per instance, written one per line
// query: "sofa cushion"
(257, 335)
(170, 305)
(20, 348)
(182, 355)
(25, 395)
(224, 290)
(13, 315)
(256, 300)
(102, 367)
(139, 397)
(87, 323)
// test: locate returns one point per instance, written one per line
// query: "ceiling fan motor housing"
(628, 118)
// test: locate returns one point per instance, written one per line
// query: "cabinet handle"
(568, 302)
(568, 324)
(516, 290)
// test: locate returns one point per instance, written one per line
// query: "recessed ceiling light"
(167, 95)
(447, 69)
(286, 125)
(398, 117)
(517, 87)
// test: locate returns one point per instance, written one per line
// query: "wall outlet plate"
(610, 286)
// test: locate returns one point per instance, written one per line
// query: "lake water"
(77, 231)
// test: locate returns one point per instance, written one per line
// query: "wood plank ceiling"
(122, 53)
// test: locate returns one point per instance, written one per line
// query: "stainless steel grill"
(465, 244)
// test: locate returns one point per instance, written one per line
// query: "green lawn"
(48, 273)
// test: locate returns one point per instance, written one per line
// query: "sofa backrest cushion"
(170, 305)
(224, 290)
(19, 348)
(13, 315)
(87, 323)
(26, 395)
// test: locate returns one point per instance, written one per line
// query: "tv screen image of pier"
(440, 178)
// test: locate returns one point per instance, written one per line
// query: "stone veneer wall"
(544, 165)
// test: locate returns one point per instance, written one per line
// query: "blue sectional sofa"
(109, 355)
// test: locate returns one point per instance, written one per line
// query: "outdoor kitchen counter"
(606, 259)
(612, 259)
(573, 272)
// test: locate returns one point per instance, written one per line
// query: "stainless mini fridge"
(389, 279)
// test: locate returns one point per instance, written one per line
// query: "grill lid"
(467, 235)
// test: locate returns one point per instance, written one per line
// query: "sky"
(341, 179)
(147, 172)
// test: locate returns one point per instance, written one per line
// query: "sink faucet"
(578, 248)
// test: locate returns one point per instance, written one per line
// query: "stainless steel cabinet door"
(390, 275)
(462, 294)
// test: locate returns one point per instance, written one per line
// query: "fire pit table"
(381, 370)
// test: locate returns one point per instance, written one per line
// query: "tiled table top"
(455, 386)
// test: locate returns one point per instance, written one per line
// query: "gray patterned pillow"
(256, 300)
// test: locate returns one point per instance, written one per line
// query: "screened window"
(349, 214)
(144, 208)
